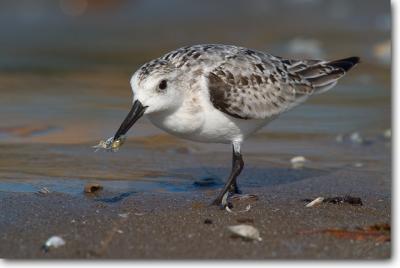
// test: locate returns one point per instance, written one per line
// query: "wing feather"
(249, 84)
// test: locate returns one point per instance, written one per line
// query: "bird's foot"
(235, 190)
(222, 200)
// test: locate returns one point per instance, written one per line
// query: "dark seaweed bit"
(208, 221)
(346, 199)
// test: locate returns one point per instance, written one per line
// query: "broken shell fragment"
(298, 161)
(355, 137)
(92, 187)
(43, 191)
(315, 202)
(110, 144)
(245, 231)
(54, 241)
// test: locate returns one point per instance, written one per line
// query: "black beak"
(135, 113)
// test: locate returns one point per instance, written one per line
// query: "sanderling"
(223, 94)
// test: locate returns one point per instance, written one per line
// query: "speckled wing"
(253, 85)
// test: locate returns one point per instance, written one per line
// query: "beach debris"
(123, 215)
(346, 199)
(245, 231)
(54, 241)
(356, 137)
(298, 161)
(208, 221)
(110, 144)
(43, 191)
(315, 202)
(92, 187)
(379, 232)
(337, 200)
(140, 213)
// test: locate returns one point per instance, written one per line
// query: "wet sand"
(132, 219)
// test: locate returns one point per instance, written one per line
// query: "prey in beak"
(113, 143)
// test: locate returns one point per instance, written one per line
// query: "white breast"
(198, 120)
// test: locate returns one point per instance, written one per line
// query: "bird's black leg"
(237, 167)
(234, 189)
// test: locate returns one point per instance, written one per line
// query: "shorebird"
(222, 94)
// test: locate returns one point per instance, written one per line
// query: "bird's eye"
(163, 84)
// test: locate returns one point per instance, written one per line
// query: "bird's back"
(250, 84)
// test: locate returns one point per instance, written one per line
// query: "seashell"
(54, 241)
(245, 231)
(92, 187)
(315, 202)
(298, 161)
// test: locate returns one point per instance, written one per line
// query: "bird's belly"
(214, 127)
(226, 129)
(180, 124)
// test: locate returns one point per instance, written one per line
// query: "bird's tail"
(323, 75)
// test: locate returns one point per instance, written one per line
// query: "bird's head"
(156, 88)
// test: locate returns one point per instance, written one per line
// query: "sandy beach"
(175, 221)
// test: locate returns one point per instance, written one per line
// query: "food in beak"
(110, 144)
(113, 143)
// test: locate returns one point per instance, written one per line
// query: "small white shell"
(355, 137)
(298, 161)
(315, 202)
(44, 190)
(245, 231)
(54, 241)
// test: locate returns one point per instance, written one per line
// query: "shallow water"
(65, 87)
